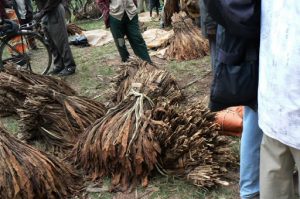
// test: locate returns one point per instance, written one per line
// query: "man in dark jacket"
(237, 43)
(121, 16)
(52, 14)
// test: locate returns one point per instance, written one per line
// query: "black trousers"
(154, 4)
(56, 29)
(131, 29)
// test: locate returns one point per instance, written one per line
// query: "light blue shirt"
(279, 76)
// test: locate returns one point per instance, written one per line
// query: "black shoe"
(67, 72)
(56, 71)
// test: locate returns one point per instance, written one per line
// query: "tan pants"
(277, 163)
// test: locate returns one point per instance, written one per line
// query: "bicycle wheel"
(28, 50)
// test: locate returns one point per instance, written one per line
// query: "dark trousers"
(56, 29)
(131, 29)
(154, 4)
(213, 50)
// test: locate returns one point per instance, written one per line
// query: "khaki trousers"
(277, 163)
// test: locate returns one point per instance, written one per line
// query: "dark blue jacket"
(235, 79)
(240, 18)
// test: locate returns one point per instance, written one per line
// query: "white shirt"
(117, 9)
(279, 76)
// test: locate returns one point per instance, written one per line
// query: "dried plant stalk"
(48, 108)
(28, 173)
(74, 29)
(188, 42)
(191, 146)
(122, 144)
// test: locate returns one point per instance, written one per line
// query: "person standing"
(250, 155)
(279, 97)
(237, 42)
(141, 6)
(24, 10)
(154, 4)
(52, 14)
(209, 29)
(121, 16)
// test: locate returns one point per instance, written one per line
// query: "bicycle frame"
(21, 54)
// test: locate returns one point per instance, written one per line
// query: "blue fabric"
(250, 154)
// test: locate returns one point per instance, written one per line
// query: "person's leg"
(136, 40)
(276, 170)
(117, 29)
(157, 7)
(151, 8)
(58, 32)
(296, 156)
(213, 50)
(141, 7)
(57, 60)
(249, 154)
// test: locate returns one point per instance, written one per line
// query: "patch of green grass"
(194, 66)
(174, 188)
(11, 124)
(91, 24)
(92, 62)
(223, 193)
(152, 24)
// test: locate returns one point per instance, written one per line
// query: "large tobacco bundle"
(187, 43)
(28, 173)
(123, 144)
(56, 118)
(47, 107)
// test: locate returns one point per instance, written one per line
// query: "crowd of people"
(270, 144)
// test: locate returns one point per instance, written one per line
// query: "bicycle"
(25, 46)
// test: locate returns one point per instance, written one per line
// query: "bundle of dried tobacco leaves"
(48, 108)
(191, 146)
(122, 144)
(28, 173)
(74, 29)
(188, 42)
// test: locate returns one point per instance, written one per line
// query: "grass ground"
(96, 66)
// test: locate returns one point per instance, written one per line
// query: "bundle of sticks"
(188, 42)
(28, 173)
(147, 131)
(56, 118)
(48, 108)
(122, 144)
(74, 29)
(191, 146)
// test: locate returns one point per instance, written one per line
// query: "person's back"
(279, 96)
(279, 88)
